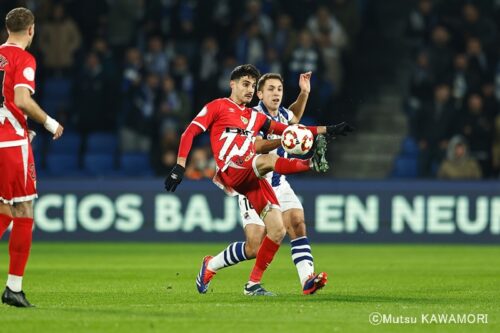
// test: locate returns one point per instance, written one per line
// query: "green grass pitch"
(135, 287)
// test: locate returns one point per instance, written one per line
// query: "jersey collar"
(12, 44)
(239, 106)
(266, 111)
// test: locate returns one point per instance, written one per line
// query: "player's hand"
(53, 127)
(305, 82)
(174, 178)
(58, 133)
(342, 128)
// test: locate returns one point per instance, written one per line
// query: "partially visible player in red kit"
(233, 128)
(17, 167)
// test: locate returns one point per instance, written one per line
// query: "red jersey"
(17, 68)
(232, 129)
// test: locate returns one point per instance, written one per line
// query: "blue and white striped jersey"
(284, 116)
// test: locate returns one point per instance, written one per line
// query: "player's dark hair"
(245, 70)
(268, 76)
(19, 19)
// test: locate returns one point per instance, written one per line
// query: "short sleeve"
(289, 114)
(206, 116)
(25, 73)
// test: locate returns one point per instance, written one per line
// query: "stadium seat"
(57, 88)
(405, 167)
(39, 161)
(99, 164)
(56, 95)
(135, 164)
(38, 144)
(409, 147)
(62, 164)
(102, 143)
(69, 144)
(52, 106)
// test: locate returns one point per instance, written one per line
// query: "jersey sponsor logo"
(29, 73)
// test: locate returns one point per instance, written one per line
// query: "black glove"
(334, 131)
(174, 178)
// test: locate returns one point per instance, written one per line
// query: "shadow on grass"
(389, 299)
(328, 298)
(130, 313)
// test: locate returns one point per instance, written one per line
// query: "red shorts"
(242, 177)
(17, 174)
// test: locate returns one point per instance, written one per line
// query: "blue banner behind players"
(336, 211)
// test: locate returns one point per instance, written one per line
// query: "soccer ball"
(297, 139)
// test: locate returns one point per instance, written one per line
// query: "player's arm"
(263, 146)
(199, 125)
(23, 100)
(186, 143)
(175, 176)
(331, 131)
(274, 127)
(298, 107)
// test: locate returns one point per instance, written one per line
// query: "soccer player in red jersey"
(17, 167)
(233, 128)
(270, 93)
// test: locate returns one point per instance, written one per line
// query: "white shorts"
(286, 197)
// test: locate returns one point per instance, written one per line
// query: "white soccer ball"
(297, 139)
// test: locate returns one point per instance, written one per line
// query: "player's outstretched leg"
(233, 254)
(17, 299)
(315, 283)
(320, 164)
(204, 276)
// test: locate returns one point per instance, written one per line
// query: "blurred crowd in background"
(141, 69)
(454, 93)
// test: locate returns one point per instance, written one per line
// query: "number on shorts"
(248, 205)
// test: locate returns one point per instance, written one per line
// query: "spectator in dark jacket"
(440, 52)
(477, 128)
(435, 129)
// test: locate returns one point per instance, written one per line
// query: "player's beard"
(245, 100)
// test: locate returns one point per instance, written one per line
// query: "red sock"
(287, 166)
(265, 255)
(4, 223)
(20, 244)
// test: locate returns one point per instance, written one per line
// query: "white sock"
(251, 284)
(231, 255)
(302, 258)
(305, 268)
(15, 283)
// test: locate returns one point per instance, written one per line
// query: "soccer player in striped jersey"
(270, 93)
